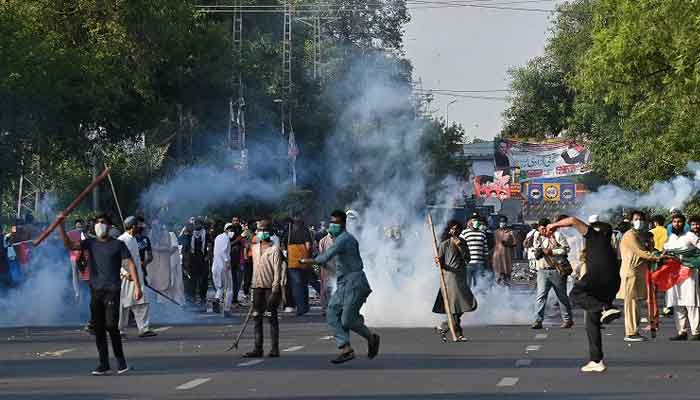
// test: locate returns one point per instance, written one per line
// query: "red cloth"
(671, 273)
(75, 236)
(24, 253)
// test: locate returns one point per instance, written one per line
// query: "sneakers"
(274, 353)
(288, 309)
(594, 367)
(537, 325)
(373, 346)
(100, 371)
(258, 353)
(610, 315)
(635, 338)
(148, 333)
(679, 337)
(567, 324)
(123, 370)
(343, 357)
(694, 338)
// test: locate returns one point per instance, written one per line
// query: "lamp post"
(447, 113)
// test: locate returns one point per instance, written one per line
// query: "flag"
(675, 270)
(293, 149)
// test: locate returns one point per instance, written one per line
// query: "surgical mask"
(230, 235)
(335, 229)
(101, 230)
(501, 224)
(263, 235)
(638, 225)
(476, 224)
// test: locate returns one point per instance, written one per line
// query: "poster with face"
(497, 187)
(548, 159)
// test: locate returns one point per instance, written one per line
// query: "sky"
(465, 48)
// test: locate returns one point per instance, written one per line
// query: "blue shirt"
(346, 251)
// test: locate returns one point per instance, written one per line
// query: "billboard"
(497, 186)
(549, 159)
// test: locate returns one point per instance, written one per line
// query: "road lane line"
(508, 381)
(534, 347)
(193, 384)
(523, 363)
(250, 363)
(541, 336)
(162, 329)
(57, 353)
(293, 348)
(327, 338)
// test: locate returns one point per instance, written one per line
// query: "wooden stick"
(62, 216)
(443, 286)
(116, 200)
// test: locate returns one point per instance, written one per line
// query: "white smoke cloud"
(673, 193)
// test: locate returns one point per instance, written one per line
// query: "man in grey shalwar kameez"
(352, 290)
(453, 255)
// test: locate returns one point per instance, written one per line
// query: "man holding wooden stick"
(452, 258)
(352, 290)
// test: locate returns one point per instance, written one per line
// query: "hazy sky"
(467, 48)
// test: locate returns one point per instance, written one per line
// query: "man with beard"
(551, 247)
(684, 296)
(595, 290)
(351, 291)
(106, 258)
(504, 245)
(633, 271)
(453, 255)
(268, 281)
(197, 263)
(128, 303)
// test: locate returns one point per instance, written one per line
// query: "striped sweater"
(477, 244)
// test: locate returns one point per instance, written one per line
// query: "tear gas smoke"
(675, 192)
(378, 145)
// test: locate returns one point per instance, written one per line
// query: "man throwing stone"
(352, 290)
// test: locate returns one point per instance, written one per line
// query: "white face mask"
(101, 230)
(230, 235)
(501, 224)
(638, 225)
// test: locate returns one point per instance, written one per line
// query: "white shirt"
(686, 241)
(222, 251)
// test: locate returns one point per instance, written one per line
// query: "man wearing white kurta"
(221, 268)
(127, 303)
(683, 297)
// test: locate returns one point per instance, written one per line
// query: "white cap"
(675, 210)
(228, 225)
(593, 219)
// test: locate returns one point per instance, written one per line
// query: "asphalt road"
(500, 362)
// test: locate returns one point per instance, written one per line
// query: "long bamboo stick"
(61, 217)
(443, 286)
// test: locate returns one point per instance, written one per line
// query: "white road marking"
(523, 363)
(193, 384)
(162, 329)
(541, 336)
(250, 363)
(507, 381)
(57, 353)
(293, 348)
(534, 347)
(327, 338)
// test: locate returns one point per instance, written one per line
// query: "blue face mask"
(263, 236)
(335, 229)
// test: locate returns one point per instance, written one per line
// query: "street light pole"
(447, 113)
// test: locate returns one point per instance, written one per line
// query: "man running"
(351, 292)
